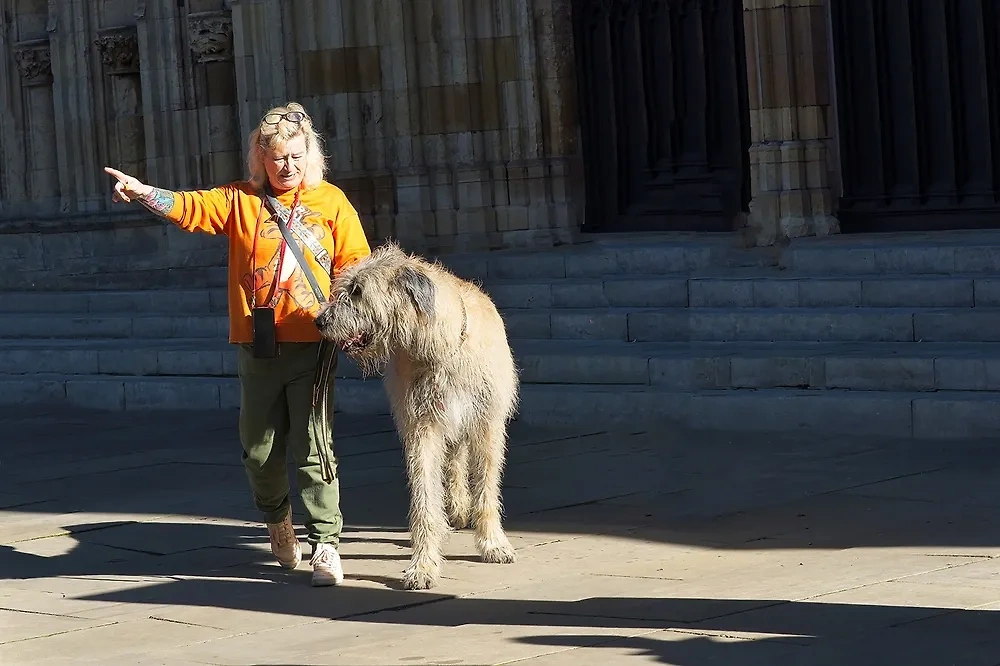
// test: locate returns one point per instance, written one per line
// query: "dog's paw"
(459, 521)
(459, 510)
(499, 554)
(419, 578)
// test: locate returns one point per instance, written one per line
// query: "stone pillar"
(119, 50)
(439, 194)
(449, 124)
(553, 215)
(34, 65)
(477, 108)
(210, 36)
(259, 52)
(791, 111)
(84, 186)
(12, 187)
(167, 124)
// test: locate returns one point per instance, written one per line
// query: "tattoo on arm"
(159, 201)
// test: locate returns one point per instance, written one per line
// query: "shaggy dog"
(452, 385)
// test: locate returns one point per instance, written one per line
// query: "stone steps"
(747, 288)
(113, 325)
(940, 253)
(758, 324)
(755, 287)
(676, 366)
(120, 392)
(704, 366)
(868, 335)
(125, 278)
(862, 413)
(638, 324)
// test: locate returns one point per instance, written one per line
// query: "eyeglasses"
(290, 116)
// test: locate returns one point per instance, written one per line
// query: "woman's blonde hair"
(269, 136)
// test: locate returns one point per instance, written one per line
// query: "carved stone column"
(790, 120)
(166, 126)
(84, 185)
(210, 37)
(34, 64)
(259, 52)
(13, 189)
(119, 49)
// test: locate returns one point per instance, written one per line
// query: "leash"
(326, 362)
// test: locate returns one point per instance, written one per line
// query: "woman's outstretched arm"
(198, 210)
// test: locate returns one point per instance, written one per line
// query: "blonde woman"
(284, 367)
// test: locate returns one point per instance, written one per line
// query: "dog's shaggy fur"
(452, 385)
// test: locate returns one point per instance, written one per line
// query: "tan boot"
(284, 544)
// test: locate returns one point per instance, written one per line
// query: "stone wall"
(450, 123)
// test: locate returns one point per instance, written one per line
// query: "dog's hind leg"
(425, 453)
(457, 480)
(489, 444)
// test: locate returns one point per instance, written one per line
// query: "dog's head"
(380, 304)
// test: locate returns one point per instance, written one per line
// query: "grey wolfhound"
(452, 386)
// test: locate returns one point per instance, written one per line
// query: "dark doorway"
(664, 113)
(917, 84)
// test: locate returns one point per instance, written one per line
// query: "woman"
(283, 363)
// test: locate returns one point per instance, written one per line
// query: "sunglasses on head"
(290, 116)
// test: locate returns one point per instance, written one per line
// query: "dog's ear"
(421, 289)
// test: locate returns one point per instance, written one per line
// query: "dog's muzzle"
(323, 319)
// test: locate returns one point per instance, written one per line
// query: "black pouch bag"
(265, 333)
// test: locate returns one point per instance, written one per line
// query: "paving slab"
(130, 531)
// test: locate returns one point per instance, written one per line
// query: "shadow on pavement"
(701, 631)
(755, 492)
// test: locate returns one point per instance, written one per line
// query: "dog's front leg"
(488, 455)
(425, 450)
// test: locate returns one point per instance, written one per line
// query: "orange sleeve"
(350, 242)
(203, 210)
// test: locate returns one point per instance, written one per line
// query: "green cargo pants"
(277, 415)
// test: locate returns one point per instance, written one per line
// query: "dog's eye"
(355, 291)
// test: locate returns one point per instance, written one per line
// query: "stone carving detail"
(34, 62)
(211, 36)
(119, 49)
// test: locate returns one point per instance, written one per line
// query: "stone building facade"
(450, 123)
(479, 124)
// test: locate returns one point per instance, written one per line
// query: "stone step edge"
(219, 293)
(784, 273)
(941, 414)
(889, 366)
(547, 346)
(727, 275)
(594, 310)
(944, 414)
(718, 307)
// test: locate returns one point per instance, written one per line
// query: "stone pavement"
(130, 538)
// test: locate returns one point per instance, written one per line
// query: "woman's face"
(285, 165)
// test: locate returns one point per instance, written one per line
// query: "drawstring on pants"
(326, 362)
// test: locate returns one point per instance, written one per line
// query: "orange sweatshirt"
(234, 210)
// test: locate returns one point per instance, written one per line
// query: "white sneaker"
(325, 562)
